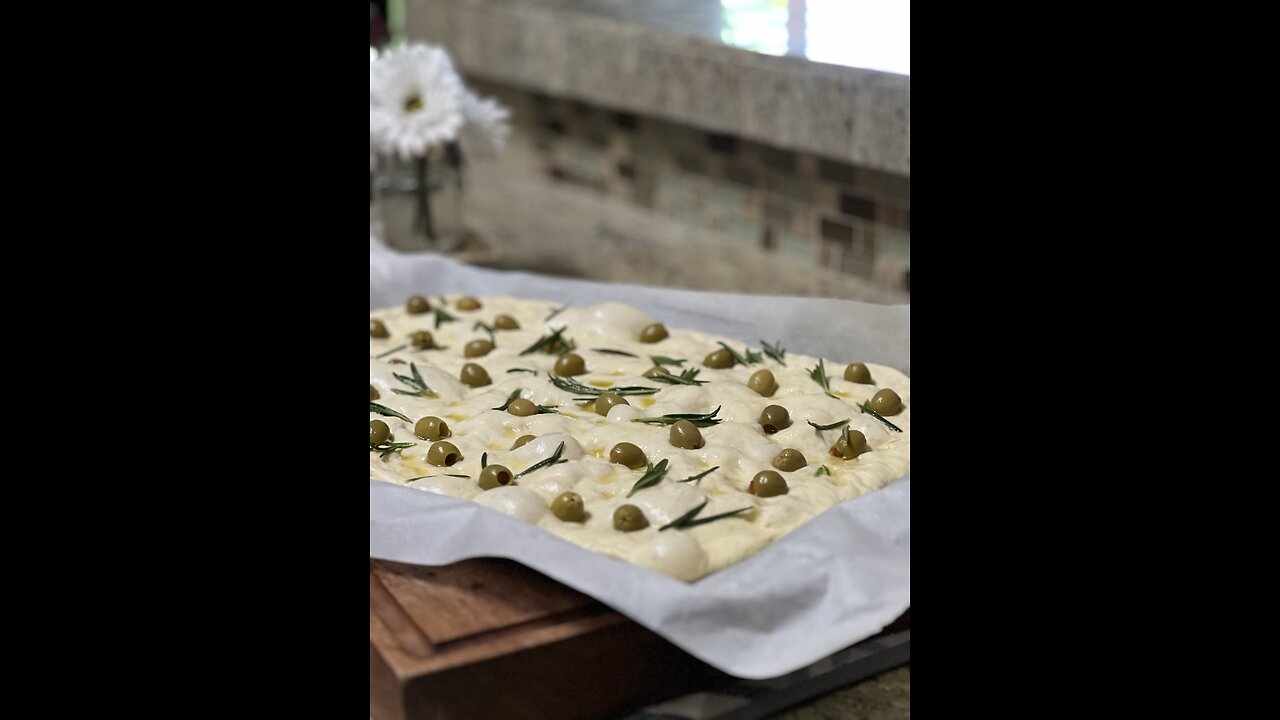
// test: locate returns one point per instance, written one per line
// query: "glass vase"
(417, 203)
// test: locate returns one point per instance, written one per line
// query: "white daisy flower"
(415, 101)
(486, 128)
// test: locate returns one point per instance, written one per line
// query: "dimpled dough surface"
(738, 445)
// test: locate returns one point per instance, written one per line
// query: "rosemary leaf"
(551, 341)
(823, 470)
(481, 326)
(553, 460)
(484, 461)
(687, 520)
(684, 378)
(819, 375)
(608, 351)
(700, 420)
(384, 410)
(442, 317)
(387, 448)
(699, 476)
(392, 350)
(510, 398)
(531, 372)
(660, 360)
(775, 351)
(557, 311)
(573, 386)
(650, 478)
(752, 356)
(832, 426)
(424, 477)
(416, 382)
(866, 408)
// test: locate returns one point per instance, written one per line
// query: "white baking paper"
(836, 580)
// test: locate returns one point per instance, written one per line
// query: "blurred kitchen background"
(733, 145)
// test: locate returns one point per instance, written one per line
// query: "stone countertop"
(688, 62)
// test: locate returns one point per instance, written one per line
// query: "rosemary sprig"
(684, 378)
(481, 326)
(555, 341)
(392, 350)
(823, 470)
(660, 360)
(387, 448)
(866, 408)
(553, 460)
(832, 426)
(384, 410)
(531, 372)
(752, 356)
(510, 399)
(775, 351)
(819, 375)
(698, 419)
(608, 351)
(652, 477)
(557, 311)
(484, 461)
(424, 477)
(442, 316)
(687, 520)
(416, 382)
(570, 385)
(699, 476)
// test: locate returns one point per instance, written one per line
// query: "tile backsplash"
(767, 199)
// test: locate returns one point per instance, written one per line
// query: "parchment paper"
(836, 580)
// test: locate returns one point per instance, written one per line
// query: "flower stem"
(423, 222)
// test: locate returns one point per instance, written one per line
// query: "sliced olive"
(655, 370)
(494, 476)
(431, 428)
(422, 340)
(373, 392)
(624, 453)
(522, 441)
(609, 401)
(568, 507)
(858, 373)
(775, 418)
(474, 376)
(477, 348)
(378, 432)
(719, 359)
(570, 364)
(767, 483)
(685, 434)
(763, 383)
(467, 302)
(416, 305)
(849, 450)
(377, 329)
(789, 459)
(505, 322)
(443, 454)
(886, 402)
(522, 407)
(628, 518)
(653, 333)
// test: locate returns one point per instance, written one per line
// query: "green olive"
(570, 364)
(494, 476)
(655, 370)
(422, 340)
(443, 454)
(522, 407)
(474, 376)
(522, 441)
(767, 483)
(628, 518)
(378, 432)
(719, 359)
(377, 329)
(609, 401)
(653, 333)
(431, 428)
(373, 392)
(568, 507)
(505, 322)
(467, 302)
(775, 418)
(857, 373)
(624, 453)
(849, 450)
(763, 383)
(789, 459)
(886, 402)
(685, 434)
(416, 305)
(477, 348)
